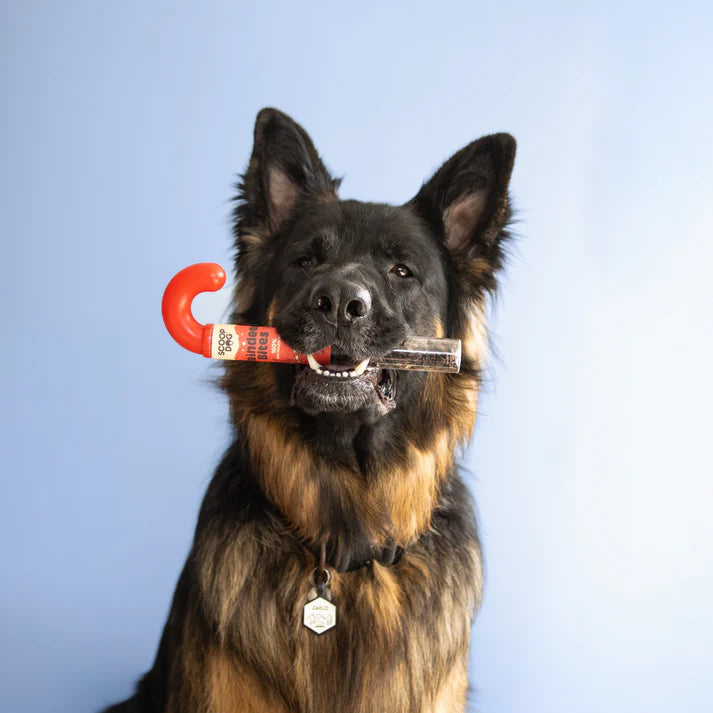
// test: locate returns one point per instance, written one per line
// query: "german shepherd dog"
(346, 480)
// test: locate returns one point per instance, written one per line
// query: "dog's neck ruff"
(386, 557)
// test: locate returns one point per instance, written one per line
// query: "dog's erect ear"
(467, 198)
(284, 168)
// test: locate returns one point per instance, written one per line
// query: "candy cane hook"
(178, 298)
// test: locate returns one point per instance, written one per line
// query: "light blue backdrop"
(123, 126)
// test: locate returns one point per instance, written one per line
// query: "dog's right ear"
(284, 169)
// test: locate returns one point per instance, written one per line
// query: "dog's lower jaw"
(367, 397)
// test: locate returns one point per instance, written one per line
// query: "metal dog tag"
(320, 615)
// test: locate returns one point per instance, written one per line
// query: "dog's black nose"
(340, 301)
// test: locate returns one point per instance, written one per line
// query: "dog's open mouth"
(344, 386)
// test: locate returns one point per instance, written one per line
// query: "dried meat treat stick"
(423, 354)
(257, 343)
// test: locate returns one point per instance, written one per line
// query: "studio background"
(123, 128)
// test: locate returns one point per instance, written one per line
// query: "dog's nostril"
(356, 308)
(324, 304)
(358, 303)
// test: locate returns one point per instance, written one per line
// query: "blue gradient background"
(123, 126)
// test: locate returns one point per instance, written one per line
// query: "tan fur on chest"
(400, 633)
(230, 689)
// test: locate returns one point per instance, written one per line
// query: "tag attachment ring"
(326, 574)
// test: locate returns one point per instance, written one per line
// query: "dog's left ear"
(466, 201)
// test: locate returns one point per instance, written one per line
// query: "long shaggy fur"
(382, 494)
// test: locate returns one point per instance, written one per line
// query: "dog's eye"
(401, 270)
(305, 262)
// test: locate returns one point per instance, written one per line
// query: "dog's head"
(362, 276)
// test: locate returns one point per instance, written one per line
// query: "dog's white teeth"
(360, 368)
(314, 364)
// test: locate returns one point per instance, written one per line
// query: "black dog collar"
(387, 557)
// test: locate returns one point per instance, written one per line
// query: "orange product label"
(246, 342)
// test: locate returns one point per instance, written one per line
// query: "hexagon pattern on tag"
(320, 615)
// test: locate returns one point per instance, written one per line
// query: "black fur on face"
(360, 277)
